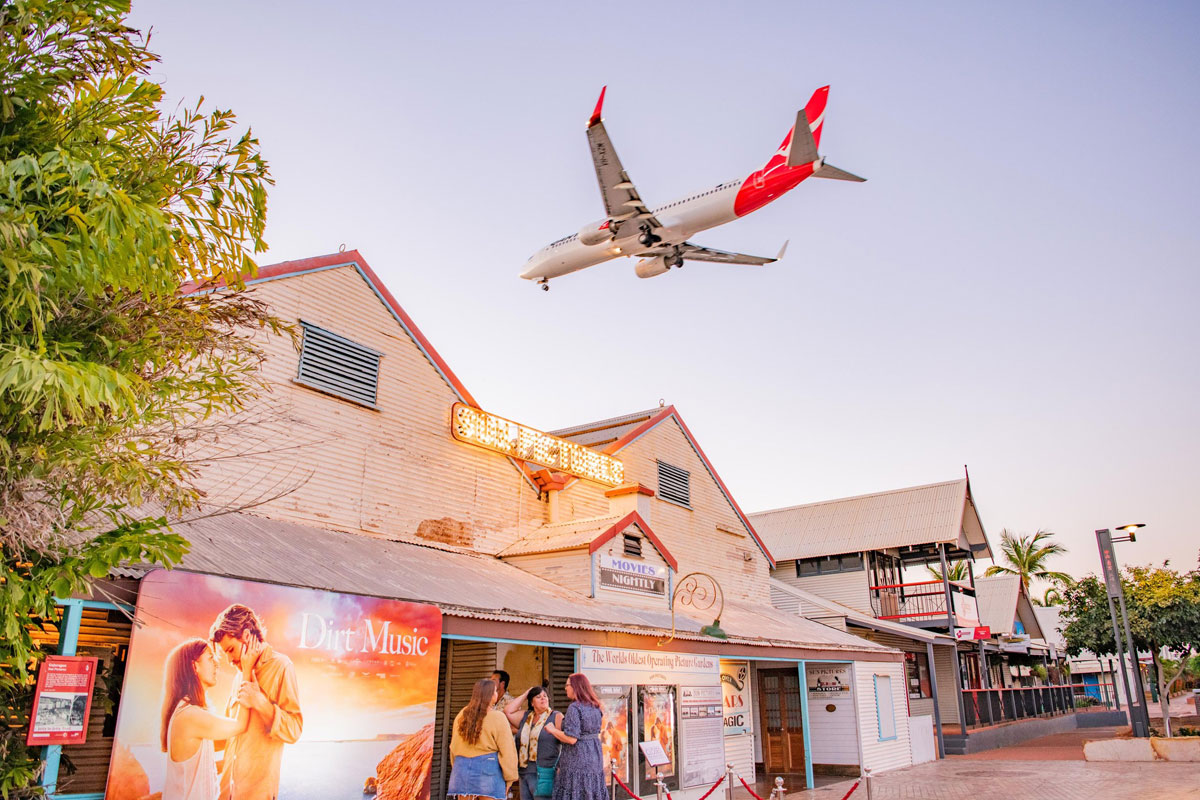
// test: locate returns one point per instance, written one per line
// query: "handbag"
(545, 775)
(545, 781)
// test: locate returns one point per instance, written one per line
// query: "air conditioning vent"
(633, 545)
(674, 484)
(336, 365)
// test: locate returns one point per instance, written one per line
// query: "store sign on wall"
(518, 441)
(735, 690)
(629, 575)
(825, 681)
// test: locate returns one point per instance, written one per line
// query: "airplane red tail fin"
(801, 147)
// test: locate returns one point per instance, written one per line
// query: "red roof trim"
(633, 518)
(355, 259)
(666, 413)
(629, 488)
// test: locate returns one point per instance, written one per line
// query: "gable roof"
(352, 258)
(592, 533)
(936, 512)
(1002, 602)
(617, 433)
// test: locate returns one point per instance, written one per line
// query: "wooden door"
(782, 721)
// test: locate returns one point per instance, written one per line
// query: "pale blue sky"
(1013, 289)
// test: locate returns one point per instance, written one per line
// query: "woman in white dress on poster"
(189, 728)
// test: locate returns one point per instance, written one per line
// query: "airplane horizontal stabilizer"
(832, 172)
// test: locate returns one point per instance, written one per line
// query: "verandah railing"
(985, 707)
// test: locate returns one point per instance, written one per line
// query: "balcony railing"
(985, 707)
(924, 601)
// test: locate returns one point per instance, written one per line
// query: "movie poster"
(615, 702)
(340, 694)
(656, 707)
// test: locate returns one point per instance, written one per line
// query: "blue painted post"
(808, 764)
(68, 641)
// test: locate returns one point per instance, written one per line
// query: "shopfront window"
(916, 668)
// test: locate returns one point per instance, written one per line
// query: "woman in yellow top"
(482, 751)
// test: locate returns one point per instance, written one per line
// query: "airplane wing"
(622, 202)
(694, 252)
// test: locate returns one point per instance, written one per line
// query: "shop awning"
(483, 588)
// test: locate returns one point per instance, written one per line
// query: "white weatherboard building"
(546, 553)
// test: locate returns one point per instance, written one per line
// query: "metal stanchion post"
(867, 782)
(660, 788)
(729, 781)
(778, 793)
(613, 775)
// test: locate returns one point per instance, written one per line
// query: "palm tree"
(959, 571)
(1027, 557)
(1052, 597)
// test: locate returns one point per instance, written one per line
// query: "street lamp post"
(1139, 716)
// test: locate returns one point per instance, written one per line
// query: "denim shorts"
(479, 775)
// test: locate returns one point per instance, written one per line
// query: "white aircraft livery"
(659, 236)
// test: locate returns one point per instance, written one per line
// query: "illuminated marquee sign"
(500, 435)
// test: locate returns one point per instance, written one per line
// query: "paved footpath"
(966, 779)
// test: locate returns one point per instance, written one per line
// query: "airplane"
(659, 236)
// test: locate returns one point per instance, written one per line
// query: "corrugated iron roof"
(937, 512)
(1050, 620)
(605, 431)
(561, 536)
(997, 599)
(856, 617)
(462, 584)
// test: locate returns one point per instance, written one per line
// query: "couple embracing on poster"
(261, 715)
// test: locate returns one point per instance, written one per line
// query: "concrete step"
(956, 744)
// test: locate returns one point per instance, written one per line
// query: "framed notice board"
(63, 700)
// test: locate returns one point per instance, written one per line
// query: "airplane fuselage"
(681, 219)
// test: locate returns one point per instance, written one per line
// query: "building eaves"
(462, 584)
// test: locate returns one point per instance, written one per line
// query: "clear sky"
(1014, 288)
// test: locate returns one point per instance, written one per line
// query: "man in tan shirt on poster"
(251, 767)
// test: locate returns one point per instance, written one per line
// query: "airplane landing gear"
(647, 239)
(673, 261)
(545, 284)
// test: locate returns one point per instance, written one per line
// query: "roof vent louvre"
(339, 366)
(674, 484)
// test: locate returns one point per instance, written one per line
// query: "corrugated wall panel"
(880, 756)
(848, 588)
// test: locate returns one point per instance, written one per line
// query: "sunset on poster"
(365, 672)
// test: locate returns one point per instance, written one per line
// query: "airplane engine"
(593, 234)
(650, 267)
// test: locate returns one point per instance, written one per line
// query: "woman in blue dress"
(580, 773)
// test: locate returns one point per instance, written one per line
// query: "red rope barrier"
(852, 788)
(628, 791)
(713, 789)
(748, 789)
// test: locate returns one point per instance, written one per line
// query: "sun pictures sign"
(342, 693)
(518, 441)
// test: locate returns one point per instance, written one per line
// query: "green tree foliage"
(1164, 613)
(109, 373)
(959, 571)
(1026, 556)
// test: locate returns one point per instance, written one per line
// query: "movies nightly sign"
(632, 576)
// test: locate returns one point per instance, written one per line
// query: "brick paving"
(966, 779)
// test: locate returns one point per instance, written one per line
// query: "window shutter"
(674, 484)
(339, 366)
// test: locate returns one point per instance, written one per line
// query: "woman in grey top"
(537, 749)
